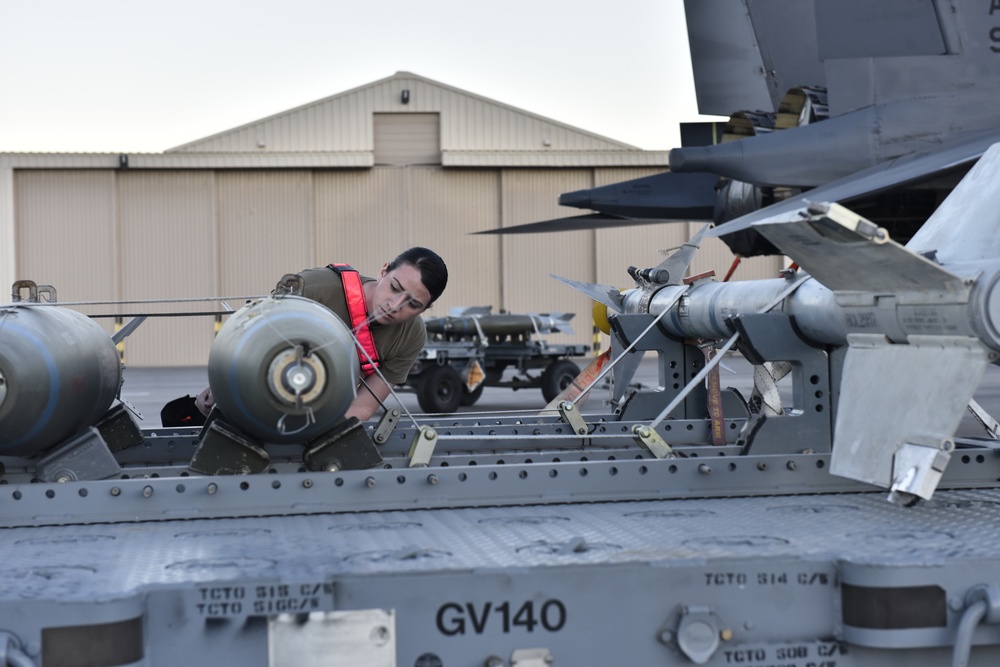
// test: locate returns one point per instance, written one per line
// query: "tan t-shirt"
(398, 344)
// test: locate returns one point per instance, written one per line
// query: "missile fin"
(124, 332)
(678, 262)
(626, 365)
(897, 400)
(609, 296)
(966, 226)
(559, 322)
(846, 252)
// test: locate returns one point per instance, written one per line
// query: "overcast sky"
(148, 75)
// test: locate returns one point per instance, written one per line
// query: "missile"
(918, 323)
(500, 325)
(59, 373)
(283, 369)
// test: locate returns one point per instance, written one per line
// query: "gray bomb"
(59, 373)
(500, 325)
(283, 369)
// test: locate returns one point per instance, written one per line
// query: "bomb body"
(59, 373)
(283, 369)
(500, 325)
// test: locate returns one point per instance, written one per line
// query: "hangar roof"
(475, 131)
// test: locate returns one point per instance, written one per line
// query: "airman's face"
(398, 295)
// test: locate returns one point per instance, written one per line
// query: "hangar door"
(407, 138)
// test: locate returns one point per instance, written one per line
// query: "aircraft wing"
(574, 223)
(894, 173)
(666, 197)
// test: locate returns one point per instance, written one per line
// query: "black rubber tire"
(440, 390)
(557, 376)
(470, 397)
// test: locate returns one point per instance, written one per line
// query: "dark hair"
(433, 272)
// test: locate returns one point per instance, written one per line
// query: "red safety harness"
(358, 311)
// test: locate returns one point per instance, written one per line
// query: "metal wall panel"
(337, 124)
(265, 228)
(202, 233)
(343, 122)
(528, 259)
(446, 208)
(368, 218)
(407, 138)
(554, 158)
(168, 240)
(66, 231)
(360, 217)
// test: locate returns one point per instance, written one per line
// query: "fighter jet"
(880, 106)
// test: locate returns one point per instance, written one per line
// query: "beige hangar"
(355, 177)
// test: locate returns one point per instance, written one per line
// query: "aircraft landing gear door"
(333, 639)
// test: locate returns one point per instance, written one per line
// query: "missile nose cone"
(578, 199)
(688, 159)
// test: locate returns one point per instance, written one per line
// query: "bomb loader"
(473, 348)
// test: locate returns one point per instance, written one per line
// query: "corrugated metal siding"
(360, 217)
(368, 218)
(446, 208)
(343, 122)
(528, 259)
(407, 138)
(168, 251)
(265, 228)
(65, 226)
(228, 233)
(554, 158)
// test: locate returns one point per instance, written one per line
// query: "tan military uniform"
(398, 344)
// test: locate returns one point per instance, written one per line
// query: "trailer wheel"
(470, 397)
(557, 376)
(440, 390)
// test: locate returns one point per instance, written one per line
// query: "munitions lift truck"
(473, 348)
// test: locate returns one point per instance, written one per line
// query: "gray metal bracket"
(531, 657)
(651, 440)
(385, 426)
(223, 451)
(347, 447)
(677, 363)
(809, 423)
(424, 442)
(83, 457)
(917, 469)
(570, 415)
(119, 430)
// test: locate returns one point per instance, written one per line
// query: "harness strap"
(358, 311)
